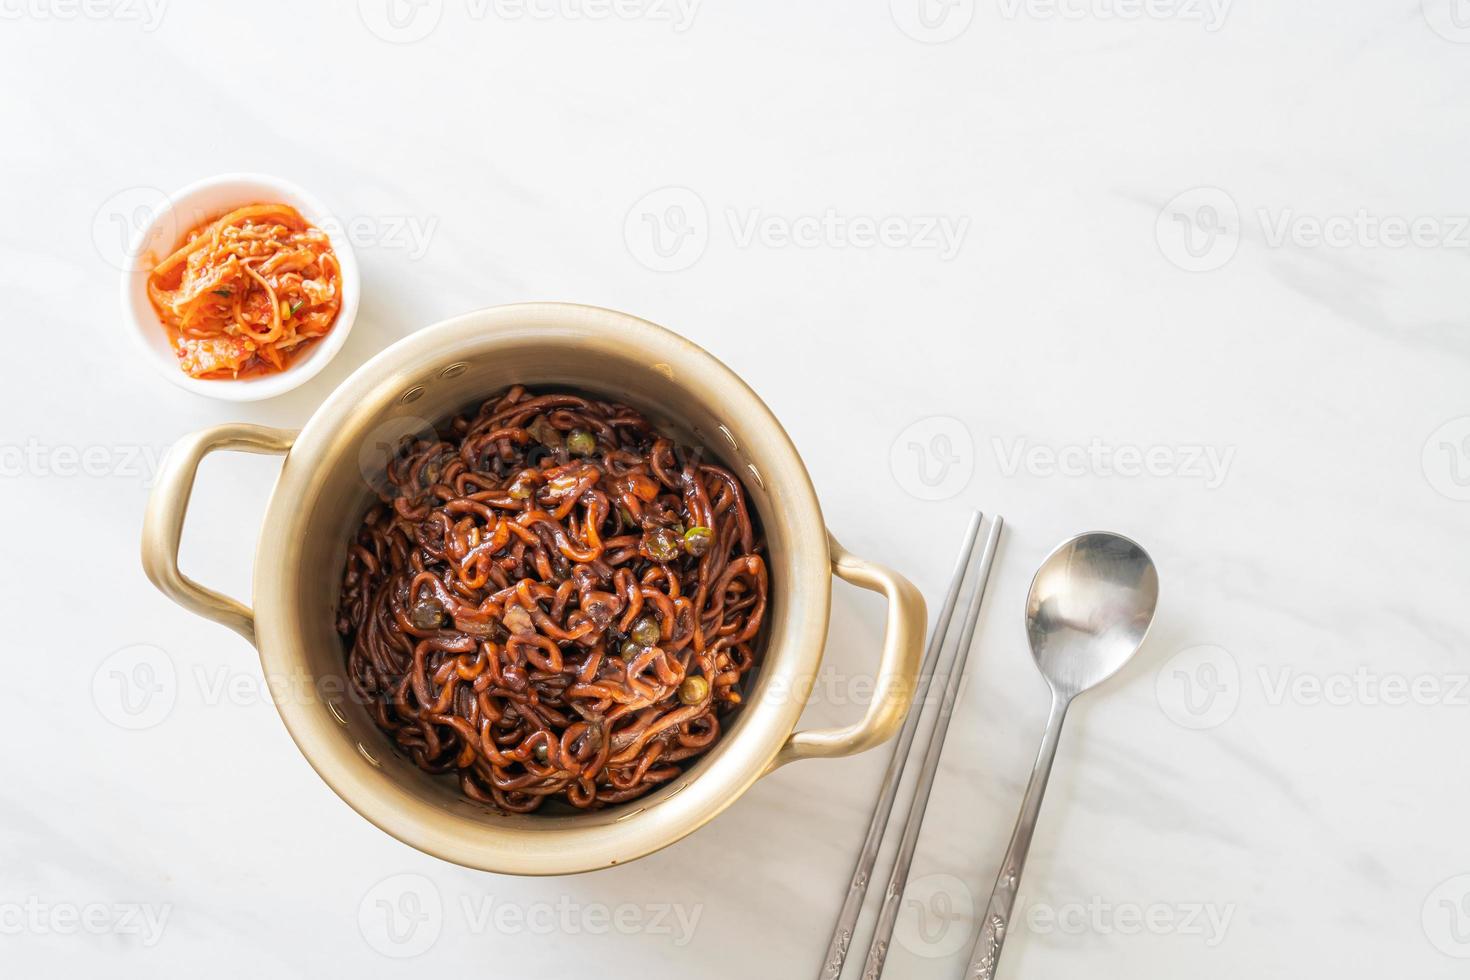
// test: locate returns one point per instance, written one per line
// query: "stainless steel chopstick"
(857, 888)
(893, 894)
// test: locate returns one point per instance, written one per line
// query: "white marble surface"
(1302, 499)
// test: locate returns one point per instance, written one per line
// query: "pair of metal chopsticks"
(857, 888)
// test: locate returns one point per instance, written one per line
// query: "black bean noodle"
(553, 602)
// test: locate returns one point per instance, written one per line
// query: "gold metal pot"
(324, 489)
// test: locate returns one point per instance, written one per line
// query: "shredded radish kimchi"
(247, 292)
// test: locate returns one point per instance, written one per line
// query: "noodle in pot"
(552, 602)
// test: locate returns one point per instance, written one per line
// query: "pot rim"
(618, 834)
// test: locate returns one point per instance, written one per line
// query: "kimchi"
(248, 292)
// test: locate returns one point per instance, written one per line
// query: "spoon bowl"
(1090, 606)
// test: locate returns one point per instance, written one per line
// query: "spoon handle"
(996, 923)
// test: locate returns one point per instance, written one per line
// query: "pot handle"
(163, 522)
(898, 666)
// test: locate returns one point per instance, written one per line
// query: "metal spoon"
(1089, 609)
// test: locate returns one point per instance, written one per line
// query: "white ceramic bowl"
(186, 209)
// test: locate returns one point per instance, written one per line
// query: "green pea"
(645, 631)
(693, 690)
(698, 539)
(631, 650)
(661, 544)
(581, 442)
